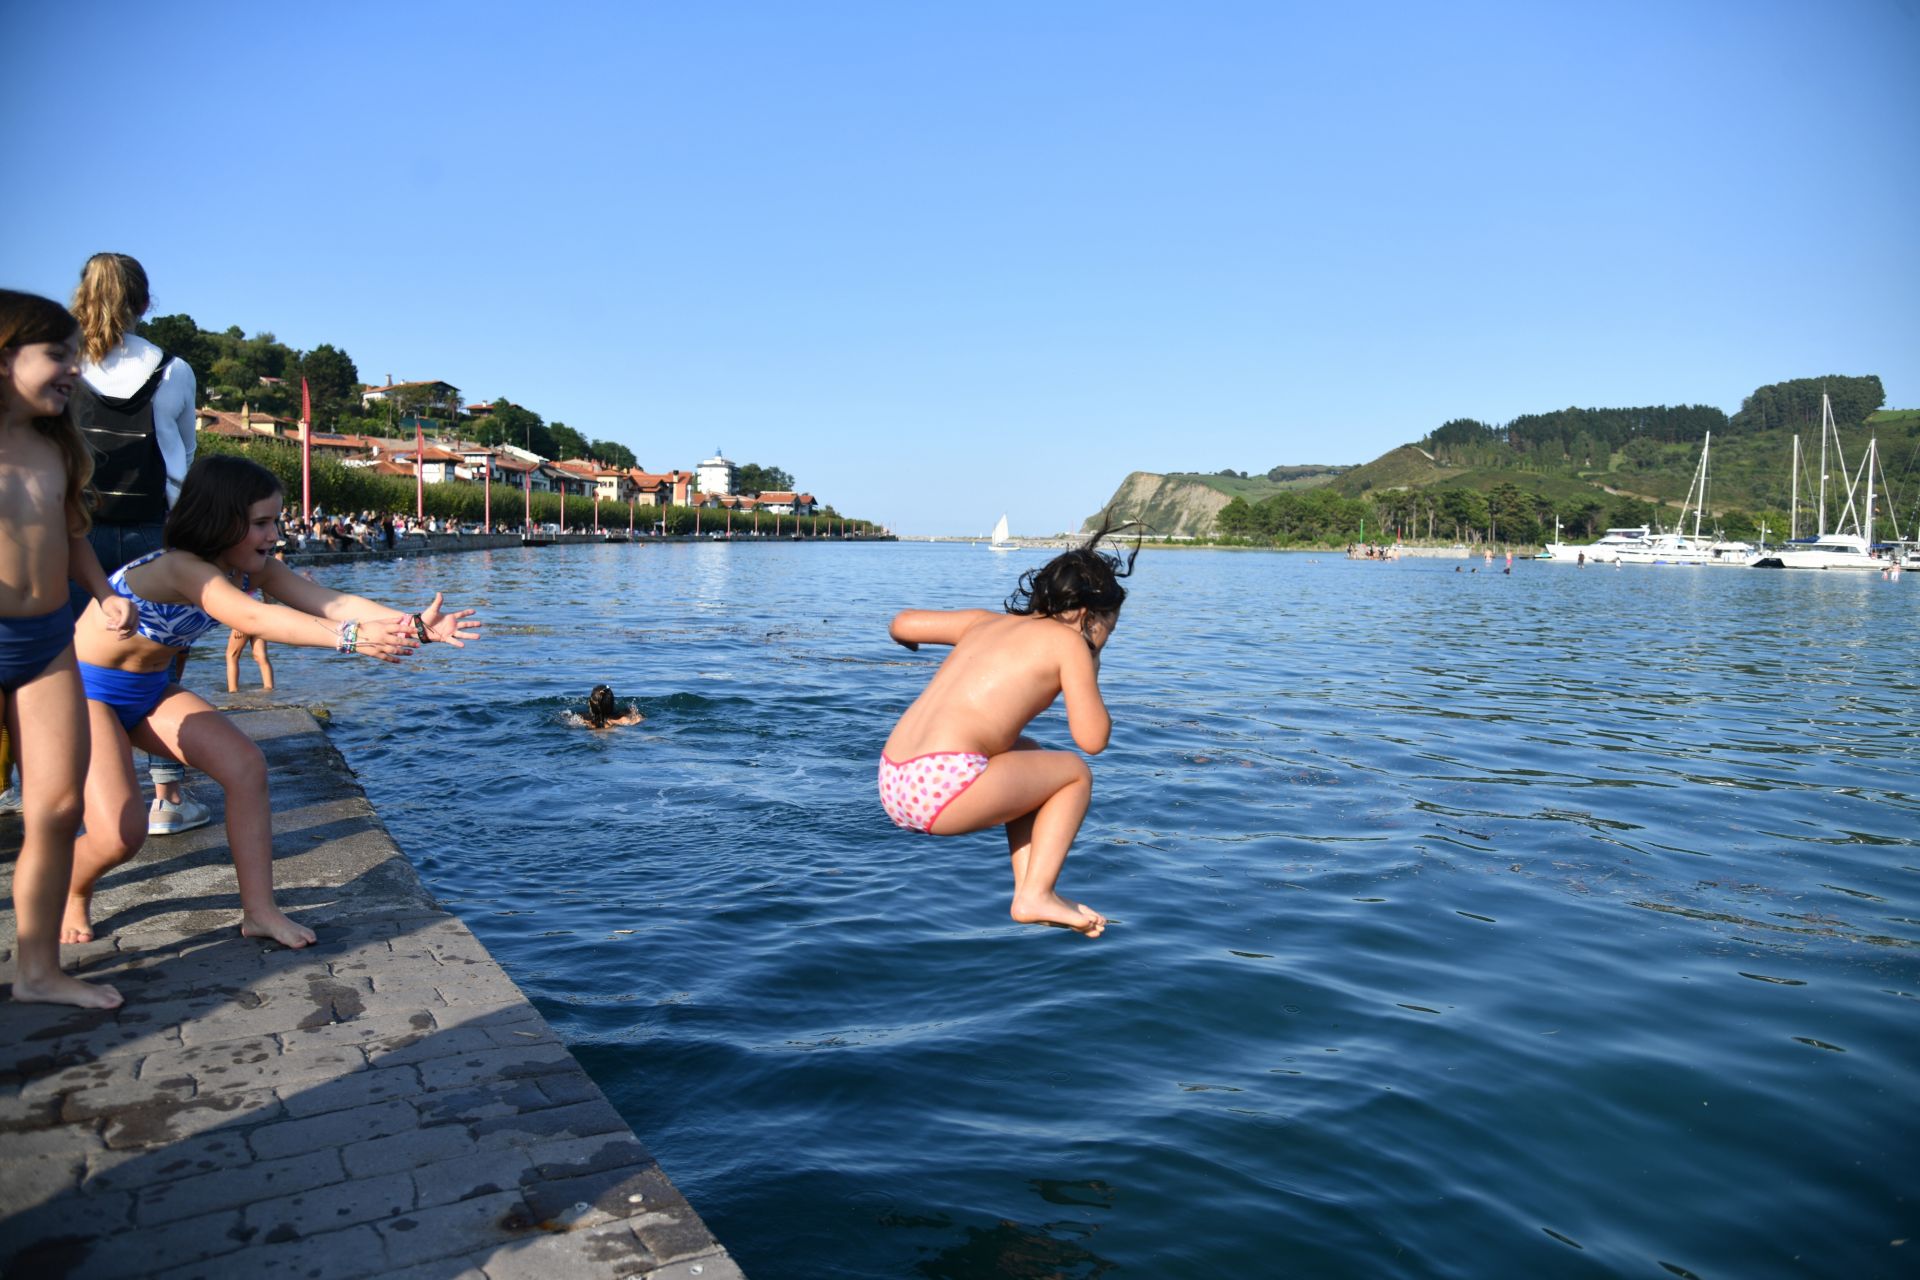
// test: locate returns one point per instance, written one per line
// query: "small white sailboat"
(1002, 540)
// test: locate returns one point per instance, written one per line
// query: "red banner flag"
(306, 453)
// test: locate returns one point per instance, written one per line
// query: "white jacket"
(124, 371)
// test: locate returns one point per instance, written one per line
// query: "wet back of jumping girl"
(220, 538)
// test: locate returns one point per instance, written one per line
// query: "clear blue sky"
(941, 260)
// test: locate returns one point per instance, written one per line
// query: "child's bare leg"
(263, 662)
(116, 819)
(235, 643)
(192, 732)
(1041, 797)
(52, 764)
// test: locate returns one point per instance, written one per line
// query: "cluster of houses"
(443, 459)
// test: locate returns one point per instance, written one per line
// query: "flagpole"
(306, 455)
(526, 525)
(419, 471)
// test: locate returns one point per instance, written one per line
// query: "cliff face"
(1164, 505)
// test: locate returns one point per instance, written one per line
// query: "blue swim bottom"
(132, 695)
(28, 645)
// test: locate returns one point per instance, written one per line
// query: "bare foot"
(276, 926)
(62, 989)
(1051, 908)
(77, 924)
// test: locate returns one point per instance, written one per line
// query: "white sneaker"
(168, 819)
(10, 800)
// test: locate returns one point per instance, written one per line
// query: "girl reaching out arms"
(45, 505)
(957, 761)
(220, 538)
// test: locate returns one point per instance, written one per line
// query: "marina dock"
(385, 1103)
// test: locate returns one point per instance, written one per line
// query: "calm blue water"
(1565, 923)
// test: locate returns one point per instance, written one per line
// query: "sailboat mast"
(1702, 505)
(1872, 447)
(1826, 417)
(1793, 518)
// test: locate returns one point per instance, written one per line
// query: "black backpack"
(129, 471)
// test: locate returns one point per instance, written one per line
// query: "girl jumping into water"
(957, 761)
(220, 538)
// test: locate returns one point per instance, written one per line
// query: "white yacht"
(1604, 551)
(1828, 551)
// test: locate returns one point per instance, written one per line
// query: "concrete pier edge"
(385, 1103)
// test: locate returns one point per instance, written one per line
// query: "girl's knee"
(243, 769)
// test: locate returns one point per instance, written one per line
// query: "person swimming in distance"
(604, 713)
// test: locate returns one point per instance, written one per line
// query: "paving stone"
(581, 1120)
(374, 1032)
(251, 1064)
(610, 1252)
(406, 1150)
(333, 1129)
(124, 1170)
(481, 1102)
(35, 1239)
(444, 1043)
(113, 1089)
(563, 1087)
(30, 1179)
(154, 1123)
(351, 1254)
(357, 1090)
(512, 1035)
(135, 1252)
(495, 1064)
(452, 1230)
(331, 1207)
(232, 1188)
(467, 1267)
(476, 1173)
(712, 1266)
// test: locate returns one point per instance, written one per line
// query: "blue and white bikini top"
(177, 625)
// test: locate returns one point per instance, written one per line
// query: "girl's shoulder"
(160, 571)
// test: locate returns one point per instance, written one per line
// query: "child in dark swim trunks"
(957, 761)
(220, 537)
(45, 505)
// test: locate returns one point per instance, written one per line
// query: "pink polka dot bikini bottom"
(914, 792)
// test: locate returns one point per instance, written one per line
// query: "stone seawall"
(385, 1103)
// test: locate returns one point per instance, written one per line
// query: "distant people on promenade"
(219, 538)
(135, 406)
(958, 761)
(45, 470)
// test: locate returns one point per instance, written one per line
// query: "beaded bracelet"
(419, 628)
(349, 633)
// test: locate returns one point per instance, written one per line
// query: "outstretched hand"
(388, 639)
(449, 626)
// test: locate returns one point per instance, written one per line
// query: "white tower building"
(716, 475)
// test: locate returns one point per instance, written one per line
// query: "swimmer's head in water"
(600, 708)
(1084, 578)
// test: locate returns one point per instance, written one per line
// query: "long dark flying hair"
(211, 514)
(600, 706)
(27, 318)
(1083, 578)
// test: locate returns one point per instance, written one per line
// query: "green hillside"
(1585, 468)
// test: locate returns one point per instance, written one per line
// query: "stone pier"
(386, 1103)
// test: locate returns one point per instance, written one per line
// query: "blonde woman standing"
(135, 406)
